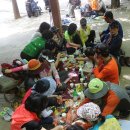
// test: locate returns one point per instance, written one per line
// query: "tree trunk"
(55, 9)
(115, 4)
(15, 9)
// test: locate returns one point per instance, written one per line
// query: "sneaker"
(5, 116)
(8, 110)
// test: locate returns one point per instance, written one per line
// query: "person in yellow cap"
(108, 96)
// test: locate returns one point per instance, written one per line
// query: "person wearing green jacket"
(34, 48)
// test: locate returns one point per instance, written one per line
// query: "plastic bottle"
(81, 75)
(75, 95)
(79, 88)
(81, 95)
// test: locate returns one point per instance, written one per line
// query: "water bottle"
(81, 75)
(75, 95)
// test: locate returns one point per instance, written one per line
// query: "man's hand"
(59, 127)
(59, 99)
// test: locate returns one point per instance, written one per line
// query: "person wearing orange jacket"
(108, 96)
(94, 4)
(108, 69)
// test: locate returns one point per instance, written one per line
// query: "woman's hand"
(7, 71)
(78, 46)
(59, 84)
(59, 56)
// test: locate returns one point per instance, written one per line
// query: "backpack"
(16, 75)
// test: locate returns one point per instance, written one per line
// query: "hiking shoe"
(5, 116)
(8, 110)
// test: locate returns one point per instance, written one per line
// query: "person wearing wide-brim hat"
(108, 96)
(45, 68)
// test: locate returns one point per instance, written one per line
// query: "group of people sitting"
(103, 96)
(88, 8)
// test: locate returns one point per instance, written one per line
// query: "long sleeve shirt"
(108, 72)
(51, 71)
(115, 45)
(120, 31)
(110, 101)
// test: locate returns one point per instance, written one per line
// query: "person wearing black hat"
(108, 16)
(107, 70)
(108, 96)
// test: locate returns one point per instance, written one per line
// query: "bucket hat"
(35, 66)
(96, 89)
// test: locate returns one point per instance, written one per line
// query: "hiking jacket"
(107, 72)
(22, 116)
(111, 99)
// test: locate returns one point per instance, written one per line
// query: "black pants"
(25, 56)
(70, 50)
(91, 37)
(37, 125)
(123, 106)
